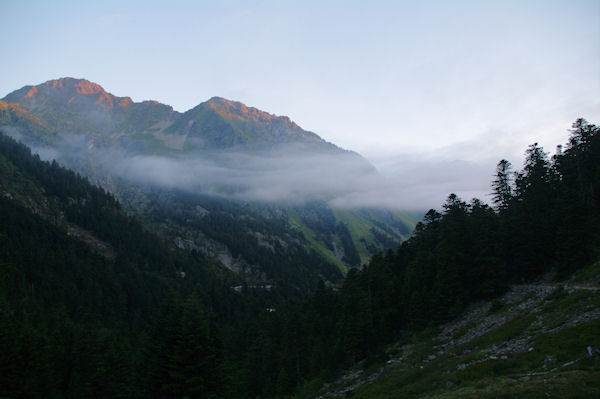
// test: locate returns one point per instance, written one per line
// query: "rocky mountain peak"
(81, 86)
(66, 92)
(69, 105)
(236, 110)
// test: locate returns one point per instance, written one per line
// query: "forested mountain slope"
(91, 302)
(84, 288)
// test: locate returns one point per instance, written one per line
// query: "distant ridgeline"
(77, 106)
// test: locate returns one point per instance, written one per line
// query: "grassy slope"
(520, 345)
(359, 227)
(296, 220)
(410, 218)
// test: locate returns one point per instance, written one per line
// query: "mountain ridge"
(81, 106)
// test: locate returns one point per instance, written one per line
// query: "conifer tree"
(502, 185)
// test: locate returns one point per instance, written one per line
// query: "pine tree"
(502, 186)
(533, 217)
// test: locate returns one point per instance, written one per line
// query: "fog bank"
(293, 175)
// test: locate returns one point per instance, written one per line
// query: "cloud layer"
(405, 182)
(293, 175)
(282, 176)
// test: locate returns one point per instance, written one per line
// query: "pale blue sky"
(473, 81)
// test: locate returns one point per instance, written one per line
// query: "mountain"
(86, 122)
(12, 114)
(238, 184)
(78, 106)
(71, 105)
(221, 123)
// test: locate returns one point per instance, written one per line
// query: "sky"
(433, 93)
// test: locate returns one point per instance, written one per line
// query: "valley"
(150, 253)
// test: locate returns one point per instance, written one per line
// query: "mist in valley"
(287, 174)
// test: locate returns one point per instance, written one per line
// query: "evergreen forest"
(93, 304)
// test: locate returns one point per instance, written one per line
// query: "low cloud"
(282, 176)
(404, 181)
(293, 175)
(420, 182)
